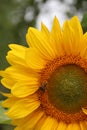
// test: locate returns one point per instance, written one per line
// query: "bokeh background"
(17, 15)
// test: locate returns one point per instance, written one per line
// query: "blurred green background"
(17, 15)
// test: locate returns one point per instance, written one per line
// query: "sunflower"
(48, 79)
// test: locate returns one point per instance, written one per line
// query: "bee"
(43, 86)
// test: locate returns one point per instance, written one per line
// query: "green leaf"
(3, 118)
(84, 22)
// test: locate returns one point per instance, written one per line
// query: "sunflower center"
(63, 88)
(67, 88)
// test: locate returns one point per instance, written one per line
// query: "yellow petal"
(72, 35)
(56, 30)
(84, 110)
(3, 73)
(23, 89)
(45, 30)
(75, 126)
(40, 122)
(83, 125)
(68, 39)
(62, 126)
(16, 49)
(49, 124)
(38, 40)
(16, 56)
(76, 25)
(7, 80)
(83, 52)
(34, 59)
(23, 107)
(56, 37)
(16, 73)
(17, 128)
(29, 122)
(8, 83)
(9, 102)
(6, 94)
(69, 127)
(78, 32)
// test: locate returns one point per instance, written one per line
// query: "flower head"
(48, 79)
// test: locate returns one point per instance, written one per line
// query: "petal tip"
(84, 110)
